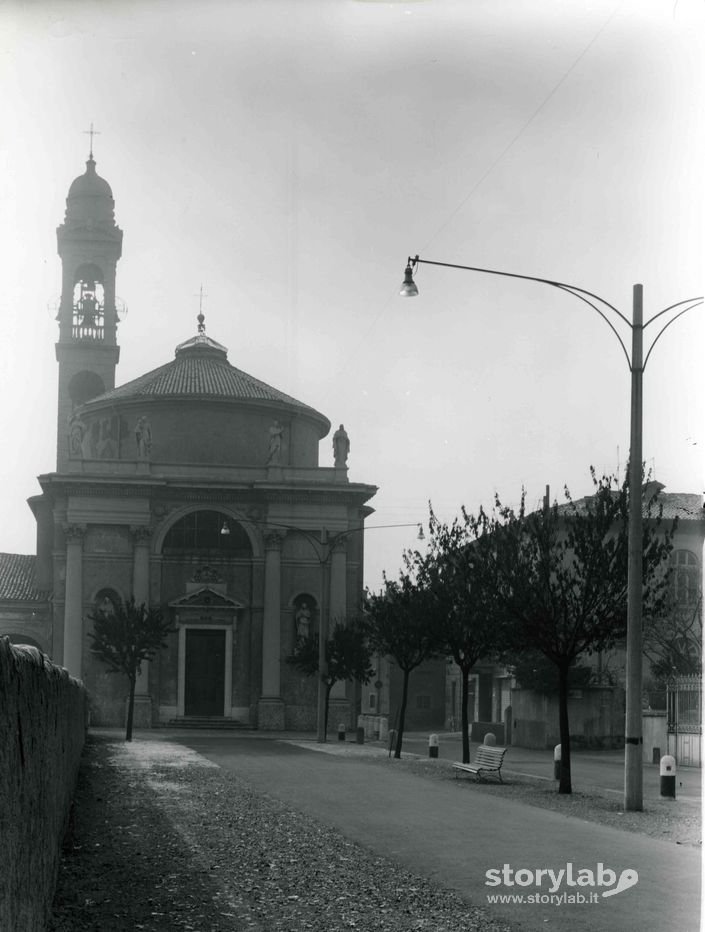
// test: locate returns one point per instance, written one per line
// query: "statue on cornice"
(341, 447)
(143, 438)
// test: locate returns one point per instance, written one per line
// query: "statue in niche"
(143, 437)
(77, 429)
(303, 621)
(106, 606)
(341, 447)
(275, 444)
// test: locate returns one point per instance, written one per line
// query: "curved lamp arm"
(409, 289)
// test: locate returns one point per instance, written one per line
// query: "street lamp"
(633, 771)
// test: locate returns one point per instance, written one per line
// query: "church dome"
(201, 409)
(200, 369)
(90, 197)
(90, 184)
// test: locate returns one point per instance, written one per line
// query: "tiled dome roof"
(201, 369)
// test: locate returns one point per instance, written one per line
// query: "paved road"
(454, 834)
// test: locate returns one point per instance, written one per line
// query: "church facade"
(196, 488)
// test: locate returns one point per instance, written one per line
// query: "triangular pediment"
(205, 597)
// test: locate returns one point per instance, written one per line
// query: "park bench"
(487, 760)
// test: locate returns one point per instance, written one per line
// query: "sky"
(289, 155)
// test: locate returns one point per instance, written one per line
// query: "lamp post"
(633, 770)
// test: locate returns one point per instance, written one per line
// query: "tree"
(400, 625)
(348, 656)
(459, 570)
(533, 670)
(125, 636)
(562, 580)
(673, 641)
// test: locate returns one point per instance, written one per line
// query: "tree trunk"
(131, 708)
(402, 713)
(564, 785)
(329, 687)
(464, 723)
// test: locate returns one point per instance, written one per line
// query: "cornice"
(161, 490)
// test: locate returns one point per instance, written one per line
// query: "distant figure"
(303, 621)
(143, 436)
(275, 444)
(341, 447)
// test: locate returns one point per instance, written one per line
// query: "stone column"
(140, 589)
(271, 707)
(338, 600)
(338, 579)
(73, 604)
(140, 570)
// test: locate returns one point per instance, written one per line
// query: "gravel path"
(164, 840)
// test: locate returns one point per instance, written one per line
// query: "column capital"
(340, 545)
(141, 534)
(74, 533)
(273, 539)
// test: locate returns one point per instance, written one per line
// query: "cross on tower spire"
(91, 132)
(201, 317)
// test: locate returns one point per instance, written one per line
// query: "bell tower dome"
(89, 245)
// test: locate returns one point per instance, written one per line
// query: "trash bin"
(433, 745)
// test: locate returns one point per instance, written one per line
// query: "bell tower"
(89, 245)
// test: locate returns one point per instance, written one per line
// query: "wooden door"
(204, 688)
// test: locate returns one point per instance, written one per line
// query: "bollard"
(360, 735)
(341, 732)
(667, 771)
(557, 762)
(433, 745)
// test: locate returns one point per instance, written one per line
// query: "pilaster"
(73, 605)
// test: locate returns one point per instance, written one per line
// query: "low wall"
(43, 714)
(595, 717)
(478, 731)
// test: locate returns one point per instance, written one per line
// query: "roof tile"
(17, 578)
(200, 369)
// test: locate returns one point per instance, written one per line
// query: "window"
(201, 532)
(686, 577)
(373, 701)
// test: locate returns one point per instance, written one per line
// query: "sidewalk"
(589, 769)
